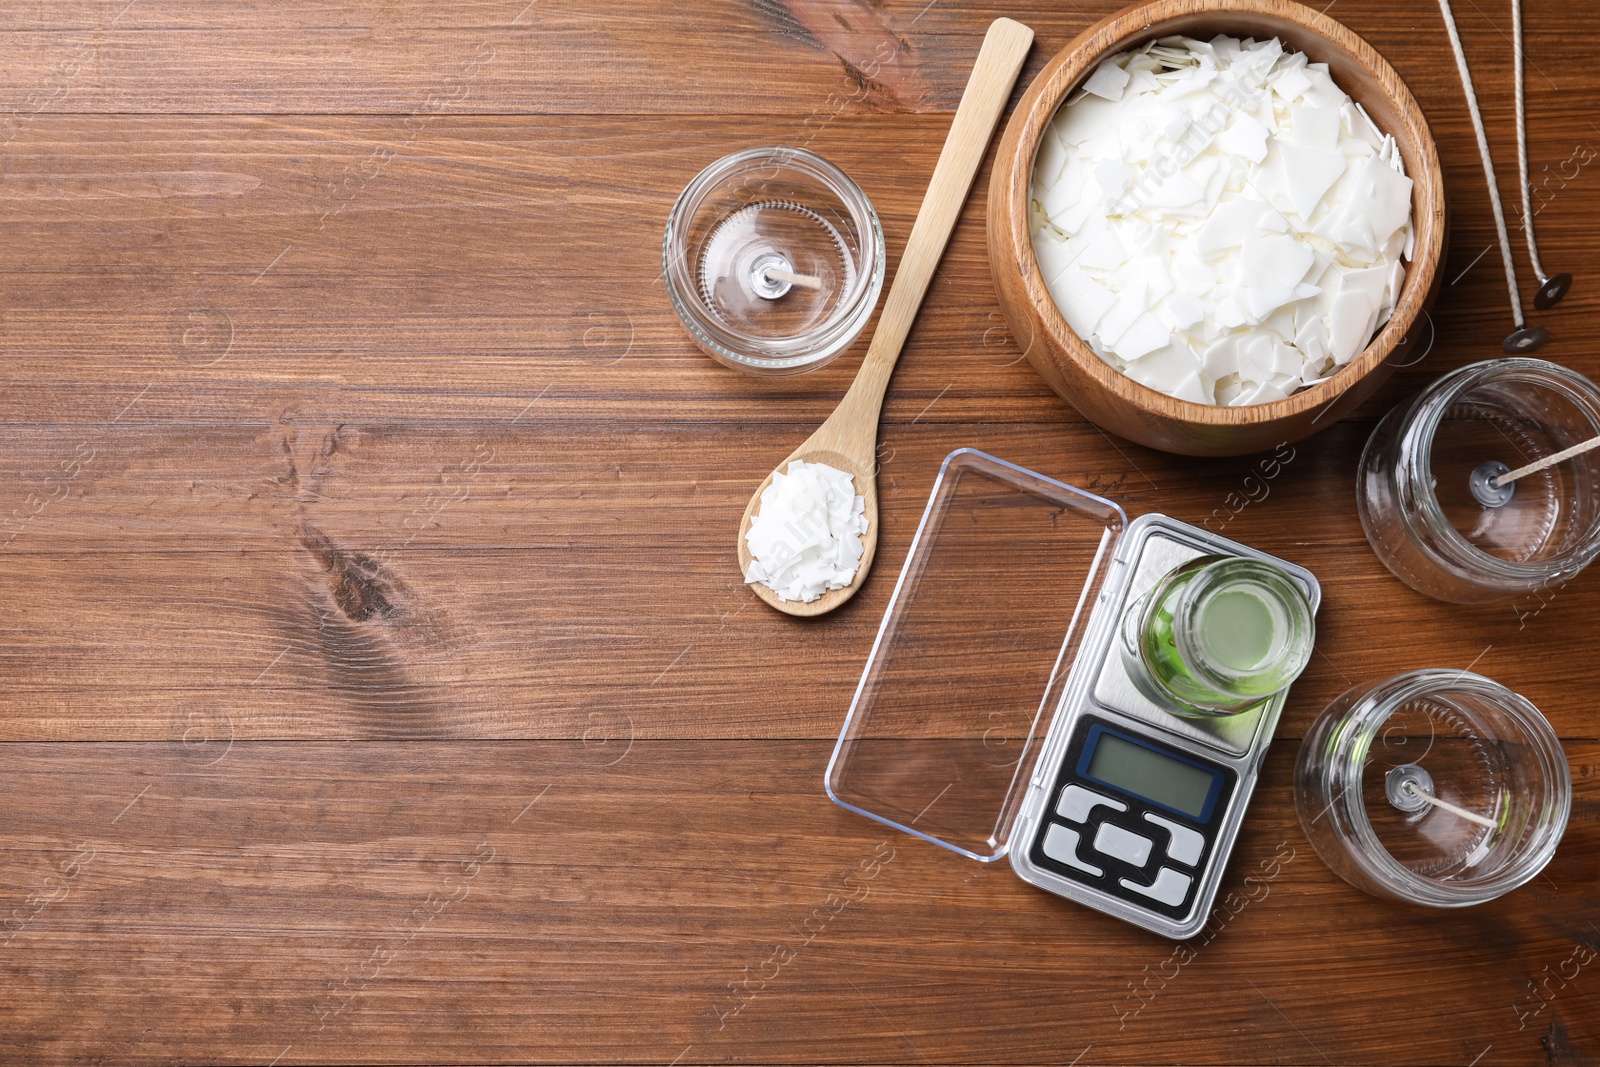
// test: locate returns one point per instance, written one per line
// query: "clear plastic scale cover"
(973, 653)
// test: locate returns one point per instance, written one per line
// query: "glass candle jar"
(1217, 635)
(1425, 490)
(774, 259)
(1437, 786)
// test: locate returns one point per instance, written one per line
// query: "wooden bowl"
(1111, 399)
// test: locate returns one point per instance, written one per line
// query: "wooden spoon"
(848, 441)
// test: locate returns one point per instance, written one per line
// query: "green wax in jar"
(1161, 650)
(1218, 634)
(1236, 626)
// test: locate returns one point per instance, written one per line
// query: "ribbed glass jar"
(1417, 500)
(1492, 765)
(774, 259)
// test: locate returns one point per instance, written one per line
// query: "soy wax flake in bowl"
(1219, 221)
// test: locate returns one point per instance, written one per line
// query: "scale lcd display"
(1147, 773)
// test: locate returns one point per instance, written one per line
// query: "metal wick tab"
(1486, 487)
(1410, 789)
(772, 276)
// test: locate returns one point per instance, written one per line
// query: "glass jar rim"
(1416, 465)
(817, 345)
(1353, 741)
(1220, 569)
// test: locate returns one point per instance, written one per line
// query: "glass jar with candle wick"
(1438, 787)
(1432, 494)
(774, 259)
(1217, 636)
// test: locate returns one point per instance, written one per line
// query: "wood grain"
(450, 902)
(357, 484)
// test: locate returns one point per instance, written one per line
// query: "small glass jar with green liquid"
(1218, 635)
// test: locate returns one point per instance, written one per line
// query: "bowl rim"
(1132, 26)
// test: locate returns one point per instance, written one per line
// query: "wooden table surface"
(379, 685)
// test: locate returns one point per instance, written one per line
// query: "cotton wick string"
(1522, 147)
(1453, 809)
(1549, 461)
(1488, 161)
(804, 281)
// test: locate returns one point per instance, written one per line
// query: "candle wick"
(804, 281)
(1548, 461)
(1411, 787)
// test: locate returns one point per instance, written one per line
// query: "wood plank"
(401, 902)
(502, 581)
(535, 58)
(583, 67)
(340, 188)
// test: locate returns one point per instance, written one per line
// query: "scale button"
(1077, 802)
(1186, 844)
(1170, 887)
(1061, 845)
(1125, 845)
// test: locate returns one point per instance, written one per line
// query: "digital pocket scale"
(995, 717)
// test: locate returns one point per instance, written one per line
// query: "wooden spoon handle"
(1005, 47)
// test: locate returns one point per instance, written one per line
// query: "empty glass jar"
(1427, 498)
(1438, 787)
(1218, 635)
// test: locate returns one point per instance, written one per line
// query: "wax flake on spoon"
(806, 539)
(1227, 226)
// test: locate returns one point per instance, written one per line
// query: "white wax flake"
(1108, 81)
(1165, 363)
(1052, 157)
(1351, 313)
(1230, 224)
(1309, 173)
(1105, 252)
(1192, 276)
(1323, 93)
(1083, 300)
(1129, 307)
(1148, 269)
(1086, 119)
(1113, 177)
(1219, 221)
(806, 538)
(1383, 195)
(1291, 84)
(1144, 336)
(1312, 341)
(1245, 137)
(1183, 309)
(1180, 190)
(1315, 127)
(1054, 259)
(1269, 270)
